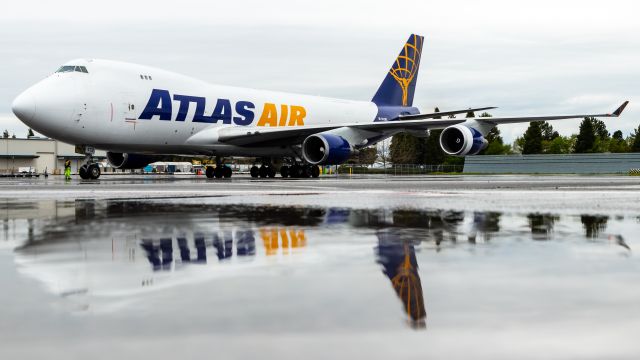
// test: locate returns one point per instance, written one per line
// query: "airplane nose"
(24, 106)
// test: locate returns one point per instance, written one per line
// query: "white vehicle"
(138, 113)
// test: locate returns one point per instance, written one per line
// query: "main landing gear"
(89, 170)
(293, 171)
(222, 171)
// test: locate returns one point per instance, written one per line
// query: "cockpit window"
(66, 68)
(72, 68)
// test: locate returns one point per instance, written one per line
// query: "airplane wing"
(268, 136)
(511, 120)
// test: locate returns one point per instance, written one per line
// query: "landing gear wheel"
(295, 171)
(94, 171)
(271, 171)
(226, 172)
(255, 172)
(315, 171)
(209, 172)
(263, 171)
(284, 171)
(306, 171)
(217, 172)
(83, 171)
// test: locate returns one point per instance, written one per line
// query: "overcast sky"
(526, 57)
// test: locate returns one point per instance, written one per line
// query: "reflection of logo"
(408, 286)
(406, 65)
(281, 238)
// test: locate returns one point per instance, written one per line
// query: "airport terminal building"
(39, 155)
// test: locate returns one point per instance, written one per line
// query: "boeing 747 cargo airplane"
(139, 114)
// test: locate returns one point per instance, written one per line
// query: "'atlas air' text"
(161, 104)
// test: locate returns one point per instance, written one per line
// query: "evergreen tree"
(548, 133)
(600, 129)
(635, 145)
(5, 134)
(30, 133)
(433, 154)
(586, 137)
(618, 143)
(429, 150)
(403, 149)
(532, 139)
(470, 114)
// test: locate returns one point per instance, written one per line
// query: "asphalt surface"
(448, 267)
(564, 194)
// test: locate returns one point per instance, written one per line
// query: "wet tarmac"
(489, 267)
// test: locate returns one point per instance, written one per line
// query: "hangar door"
(46, 161)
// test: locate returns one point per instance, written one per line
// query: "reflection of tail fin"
(398, 86)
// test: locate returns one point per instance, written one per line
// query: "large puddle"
(148, 268)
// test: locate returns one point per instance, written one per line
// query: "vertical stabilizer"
(398, 86)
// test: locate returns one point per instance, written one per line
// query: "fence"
(400, 169)
(612, 163)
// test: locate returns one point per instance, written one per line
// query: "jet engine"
(130, 161)
(461, 140)
(326, 149)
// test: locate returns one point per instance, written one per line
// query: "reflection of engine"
(461, 140)
(326, 149)
(130, 161)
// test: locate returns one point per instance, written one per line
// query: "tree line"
(593, 137)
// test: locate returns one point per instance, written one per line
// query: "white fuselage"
(102, 108)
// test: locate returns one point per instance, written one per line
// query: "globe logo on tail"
(406, 65)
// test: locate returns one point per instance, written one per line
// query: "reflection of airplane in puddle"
(95, 249)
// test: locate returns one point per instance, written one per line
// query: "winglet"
(620, 109)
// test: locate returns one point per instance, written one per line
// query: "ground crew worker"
(67, 170)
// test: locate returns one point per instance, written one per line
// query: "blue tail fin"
(398, 87)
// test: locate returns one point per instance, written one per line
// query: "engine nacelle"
(461, 140)
(326, 149)
(130, 161)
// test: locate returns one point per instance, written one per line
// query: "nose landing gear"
(90, 168)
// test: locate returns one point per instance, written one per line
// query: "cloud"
(528, 58)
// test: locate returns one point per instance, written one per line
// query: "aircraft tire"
(306, 171)
(315, 171)
(218, 172)
(284, 171)
(83, 172)
(271, 171)
(255, 172)
(295, 171)
(94, 171)
(226, 172)
(263, 171)
(209, 172)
